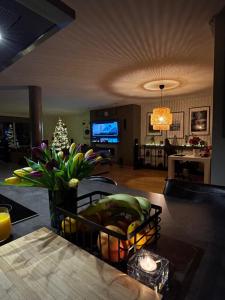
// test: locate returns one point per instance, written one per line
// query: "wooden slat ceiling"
(113, 47)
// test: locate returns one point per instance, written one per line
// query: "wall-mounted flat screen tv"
(105, 129)
(105, 132)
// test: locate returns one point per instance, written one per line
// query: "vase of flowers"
(64, 197)
(197, 144)
(59, 172)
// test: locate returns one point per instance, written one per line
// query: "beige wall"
(75, 125)
(177, 104)
(49, 123)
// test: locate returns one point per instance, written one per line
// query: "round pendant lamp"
(161, 118)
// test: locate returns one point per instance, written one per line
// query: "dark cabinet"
(129, 118)
(22, 131)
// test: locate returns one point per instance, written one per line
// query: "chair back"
(196, 192)
(102, 179)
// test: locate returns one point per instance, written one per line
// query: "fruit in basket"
(114, 207)
(124, 197)
(144, 203)
(108, 208)
(140, 236)
(112, 248)
(124, 201)
(68, 225)
(150, 235)
(118, 221)
(144, 237)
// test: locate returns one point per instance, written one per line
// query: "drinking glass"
(5, 224)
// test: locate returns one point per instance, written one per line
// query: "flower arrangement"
(196, 141)
(55, 170)
(206, 151)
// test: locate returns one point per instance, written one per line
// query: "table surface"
(189, 157)
(43, 265)
(200, 224)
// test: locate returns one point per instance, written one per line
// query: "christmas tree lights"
(60, 136)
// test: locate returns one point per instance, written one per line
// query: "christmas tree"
(60, 137)
(11, 137)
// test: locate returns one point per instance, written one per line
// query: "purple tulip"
(78, 149)
(55, 163)
(43, 146)
(51, 164)
(37, 153)
(36, 174)
(91, 157)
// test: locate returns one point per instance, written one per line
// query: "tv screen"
(105, 129)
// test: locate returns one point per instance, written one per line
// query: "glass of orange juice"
(5, 224)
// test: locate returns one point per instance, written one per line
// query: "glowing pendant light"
(161, 118)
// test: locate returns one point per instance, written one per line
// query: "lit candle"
(147, 263)
(5, 224)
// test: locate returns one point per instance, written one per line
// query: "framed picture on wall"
(149, 127)
(177, 126)
(199, 120)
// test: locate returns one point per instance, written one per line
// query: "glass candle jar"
(149, 268)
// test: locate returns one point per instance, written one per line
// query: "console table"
(206, 161)
(155, 156)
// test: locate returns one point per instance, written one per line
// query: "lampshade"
(161, 127)
(161, 118)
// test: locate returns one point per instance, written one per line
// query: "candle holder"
(149, 268)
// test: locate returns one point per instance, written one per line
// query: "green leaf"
(35, 182)
(35, 166)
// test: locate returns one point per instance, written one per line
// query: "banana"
(124, 197)
(130, 200)
(109, 207)
(113, 207)
(144, 203)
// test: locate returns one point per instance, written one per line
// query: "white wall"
(176, 104)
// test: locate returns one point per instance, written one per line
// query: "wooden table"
(206, 161)
(201, 224)
(43, 265)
